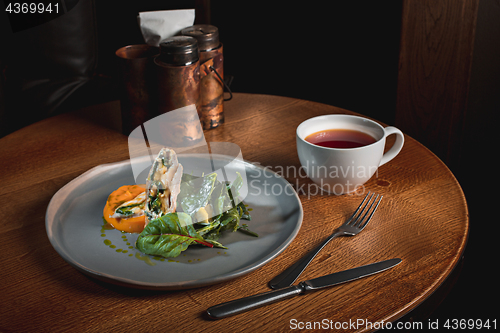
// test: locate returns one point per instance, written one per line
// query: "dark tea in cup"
(340, 138)
(343, 170)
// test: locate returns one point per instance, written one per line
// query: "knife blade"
(248, 303)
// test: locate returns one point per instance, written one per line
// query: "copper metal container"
(138, 88)
(178, 72)
(211, 82)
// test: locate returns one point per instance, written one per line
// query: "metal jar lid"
(207, 36)
(179, 50)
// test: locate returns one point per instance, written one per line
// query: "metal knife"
(255, 301)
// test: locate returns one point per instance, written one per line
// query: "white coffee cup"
(343, 170)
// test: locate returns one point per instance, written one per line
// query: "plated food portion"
(74, 223)
(174, 210)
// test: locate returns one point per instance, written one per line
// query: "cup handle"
(396, 148)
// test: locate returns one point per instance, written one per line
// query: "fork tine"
(360, 216)
(362, 223)
(353, 216)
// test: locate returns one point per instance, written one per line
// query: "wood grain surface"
(422, 219)
(437, 42)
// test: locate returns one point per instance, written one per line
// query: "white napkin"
(156, 26)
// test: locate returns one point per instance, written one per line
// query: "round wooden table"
(422, 219)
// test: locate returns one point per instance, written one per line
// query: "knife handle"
(288, 276)
(248, 303)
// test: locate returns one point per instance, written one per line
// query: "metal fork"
(351, 227)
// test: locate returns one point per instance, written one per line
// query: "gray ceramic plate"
(74, 227)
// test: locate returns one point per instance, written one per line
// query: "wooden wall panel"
(437, 39)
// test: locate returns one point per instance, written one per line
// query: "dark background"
(342, 53)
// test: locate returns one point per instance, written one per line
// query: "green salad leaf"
(169, 235)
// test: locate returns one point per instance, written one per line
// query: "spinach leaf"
(244, 228)
(169, 235)
(165, 245)
(209, 228)
(216, 244)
